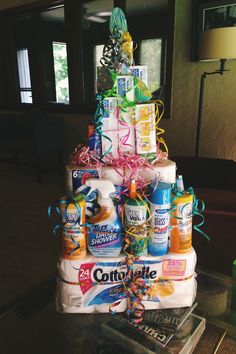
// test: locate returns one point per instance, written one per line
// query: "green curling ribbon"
(98, 123)
(118, 21)
(198, 209)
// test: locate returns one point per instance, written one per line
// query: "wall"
(5, 4)
(219, 111)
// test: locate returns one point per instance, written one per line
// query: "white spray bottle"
(105, 230)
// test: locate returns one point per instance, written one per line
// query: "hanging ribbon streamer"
(159, 131)
(198, 209)
(61, 206)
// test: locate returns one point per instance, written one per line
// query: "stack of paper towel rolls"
(164, 170)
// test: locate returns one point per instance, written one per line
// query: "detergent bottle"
(105, 230)
(135, 213)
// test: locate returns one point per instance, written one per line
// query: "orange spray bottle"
(181, 221)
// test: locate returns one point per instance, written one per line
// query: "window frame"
(79, 103)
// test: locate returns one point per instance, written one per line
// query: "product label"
(135, 214)
(102, 282)
(160, 224)
(184, 212)
(174, 267)
(101, 236)
(109, 107)
(79, 177)
(124, 85)
(73, 244)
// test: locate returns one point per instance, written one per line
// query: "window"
(98, 50)
(24, 76)
(151, 56)
(61, 72)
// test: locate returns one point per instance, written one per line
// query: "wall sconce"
(215, 44)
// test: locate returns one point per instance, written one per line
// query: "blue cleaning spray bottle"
(160, 203)
(105, 230)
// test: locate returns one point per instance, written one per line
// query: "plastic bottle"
(105, 231)
(135, 211)
(73, 235)
(181, 220)
(160, 198)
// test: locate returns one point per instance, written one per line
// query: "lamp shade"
(218, 43)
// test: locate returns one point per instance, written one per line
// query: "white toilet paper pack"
(91, 285)
(96, 284)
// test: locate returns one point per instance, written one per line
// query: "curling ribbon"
(160, 131)
(66, 201)
(198, 209)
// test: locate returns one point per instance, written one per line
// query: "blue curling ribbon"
(198, 209)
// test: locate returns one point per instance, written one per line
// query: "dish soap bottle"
(135, 210)
(105, 230)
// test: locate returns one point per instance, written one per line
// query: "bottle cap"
(160, 194)
(180, 183)
(133, 189)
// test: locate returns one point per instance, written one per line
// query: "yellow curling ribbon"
(160, 131)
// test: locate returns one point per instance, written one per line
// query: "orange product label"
(144, 128)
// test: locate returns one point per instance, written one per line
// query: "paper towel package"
(164, 170)
(96, 284)
(77, 175)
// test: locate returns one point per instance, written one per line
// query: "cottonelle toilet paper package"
(171, 279)
(93, 284)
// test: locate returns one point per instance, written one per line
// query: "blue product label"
(95, 143)
(121, 87)
(79, 177)
(108, 296)
(158, 244)
(105, 236)
(135, 72)
(106, 108)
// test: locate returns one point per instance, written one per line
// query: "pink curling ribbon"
(83, 156)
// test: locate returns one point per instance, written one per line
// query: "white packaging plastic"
(91, 285)
(116, 175)
(172, 280)
(145, 129)
(164, 170)
(110, 127)
(94, 284)
(126, 130)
